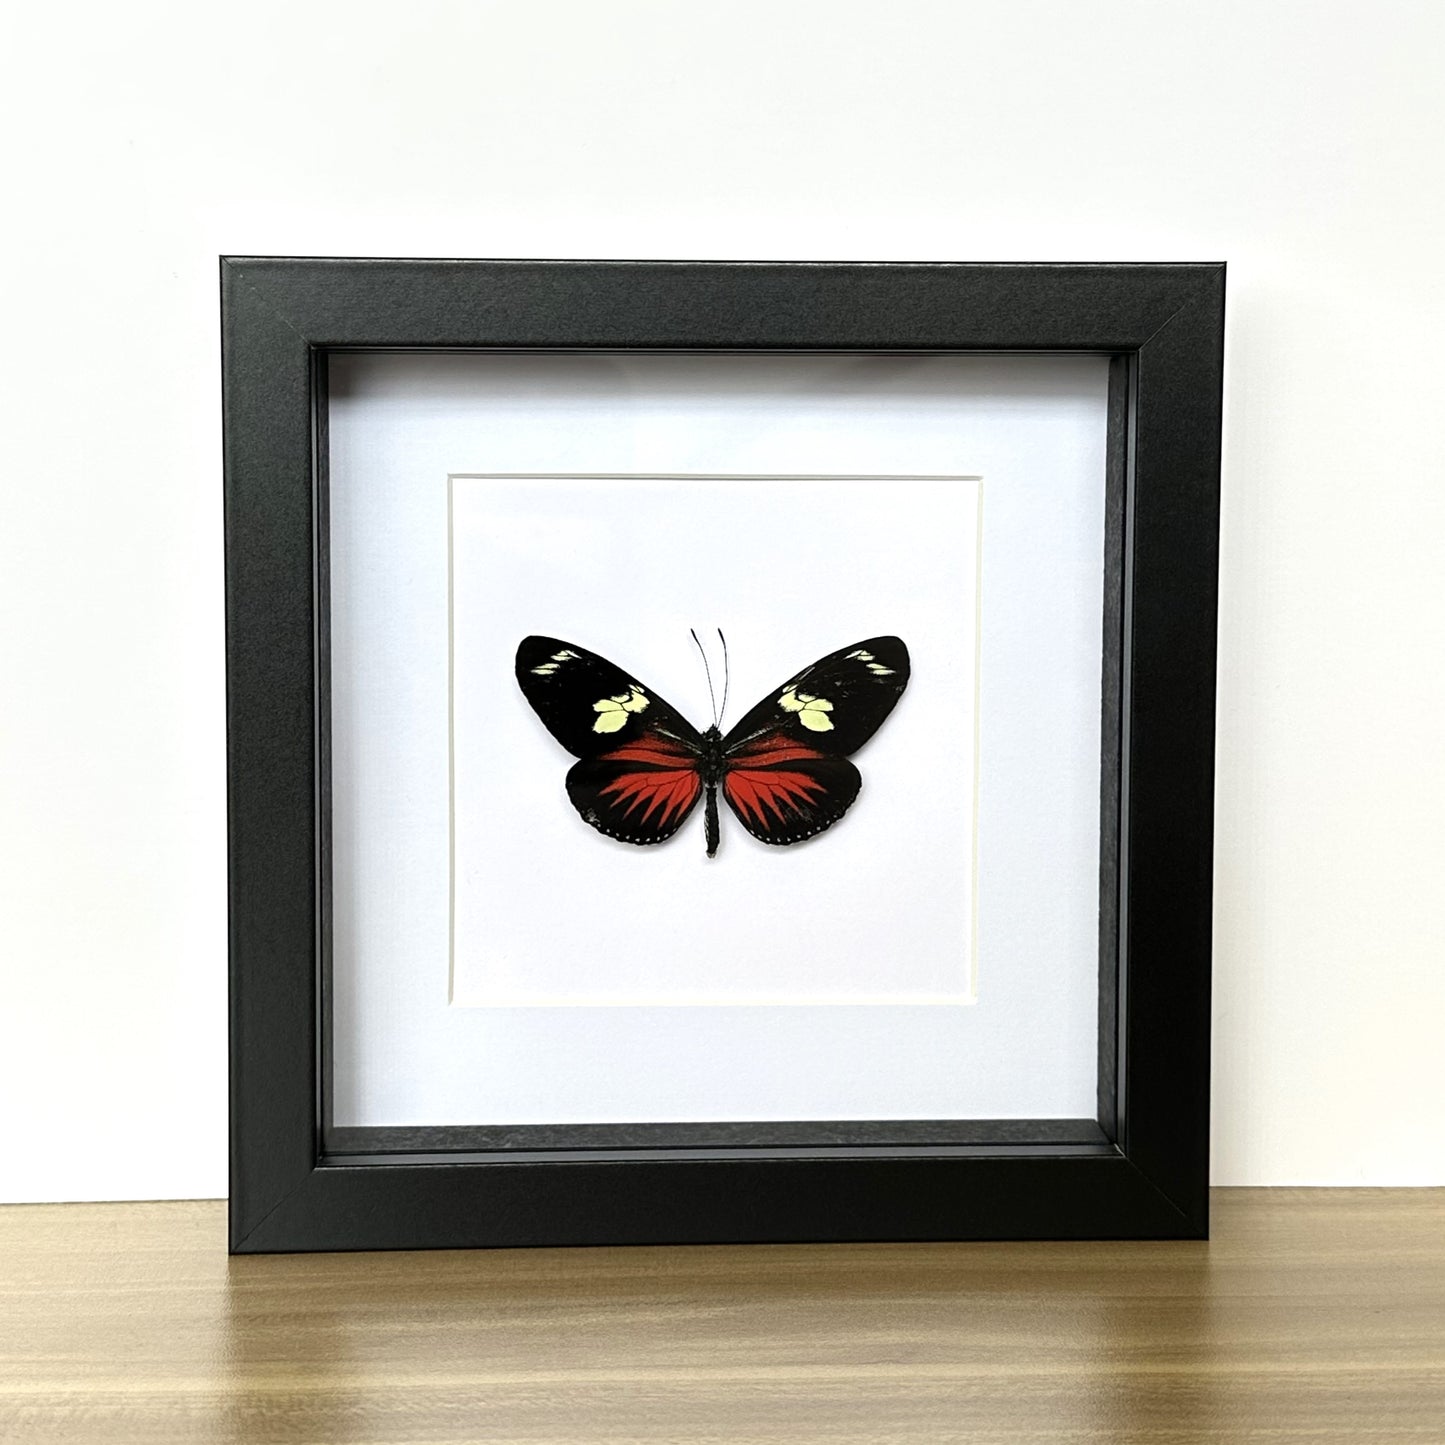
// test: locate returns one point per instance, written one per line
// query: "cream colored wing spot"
(546, 669)
(613, 712)
(876, 668)
(812, 711)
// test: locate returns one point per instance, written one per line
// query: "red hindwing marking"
(670, 790)
(751, 790)
(773, 748)
(650, 751)
(658, 785)
(758, 781)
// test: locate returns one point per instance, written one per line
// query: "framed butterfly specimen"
(1057, 765)
(783, 768)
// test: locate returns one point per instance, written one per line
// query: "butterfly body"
(710, 766)
(642, 767)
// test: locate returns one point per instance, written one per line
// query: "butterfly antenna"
(727, 676)
(711, 694)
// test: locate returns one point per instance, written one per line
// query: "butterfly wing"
(786, 773)
(638, 794)
(789, 793)
(638, 776)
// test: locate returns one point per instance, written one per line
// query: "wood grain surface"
(1312, 1316)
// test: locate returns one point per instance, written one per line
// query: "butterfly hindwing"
(783, 792)
(641, 792)
(638, 776)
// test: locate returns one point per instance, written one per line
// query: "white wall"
(1301, 142)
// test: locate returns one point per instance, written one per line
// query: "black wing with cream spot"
(638, 777)
(834, 706)
(786, 773)
(590, 705)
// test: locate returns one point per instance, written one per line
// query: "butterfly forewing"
(638, 778)
(835, 705)
(589, 704)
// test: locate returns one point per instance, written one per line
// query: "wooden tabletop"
(1313, 1316)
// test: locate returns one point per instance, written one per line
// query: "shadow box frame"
(1137, 1169)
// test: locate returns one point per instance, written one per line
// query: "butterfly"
(783, 768)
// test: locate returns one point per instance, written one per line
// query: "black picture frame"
(1139, 1169)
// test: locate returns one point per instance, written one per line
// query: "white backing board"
(876, 910)
(404, 1052)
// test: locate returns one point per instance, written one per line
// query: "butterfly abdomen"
(711, 831)
(711, 767)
